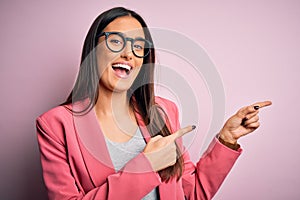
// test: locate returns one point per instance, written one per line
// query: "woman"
(113, 139)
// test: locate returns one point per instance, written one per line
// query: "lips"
(122, 70)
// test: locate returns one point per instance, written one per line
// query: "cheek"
(139, 62)
(103, 59)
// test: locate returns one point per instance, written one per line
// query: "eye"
(139, 45)
(116, 42)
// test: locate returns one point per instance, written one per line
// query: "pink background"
(254, 44)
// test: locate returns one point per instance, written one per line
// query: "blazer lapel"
(93, 145)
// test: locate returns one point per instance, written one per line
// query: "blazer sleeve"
(202, 181)
(61, 183)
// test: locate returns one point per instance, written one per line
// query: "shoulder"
(54, 123)
(59, 113)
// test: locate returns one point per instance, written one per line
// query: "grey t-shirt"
(121, 153)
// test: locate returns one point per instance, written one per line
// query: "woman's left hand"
(245, 121)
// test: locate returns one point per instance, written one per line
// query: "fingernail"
(256, 107)
(193, 127)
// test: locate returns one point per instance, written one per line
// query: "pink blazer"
(76, 162)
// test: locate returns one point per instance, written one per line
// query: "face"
(119, 70)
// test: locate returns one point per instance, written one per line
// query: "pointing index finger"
(263, 104)
(243, 112)
(181, 132)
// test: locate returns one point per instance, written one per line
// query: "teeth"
(127, 67)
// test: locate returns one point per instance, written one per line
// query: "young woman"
(114, 139)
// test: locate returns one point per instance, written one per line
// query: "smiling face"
(119, 70)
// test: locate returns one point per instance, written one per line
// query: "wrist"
(235, 146)
(227, 140)
(227, 137)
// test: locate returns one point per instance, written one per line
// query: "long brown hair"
(141, 94)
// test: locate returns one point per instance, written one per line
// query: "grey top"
(121, 153)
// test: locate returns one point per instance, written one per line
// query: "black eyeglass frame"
(125, 39)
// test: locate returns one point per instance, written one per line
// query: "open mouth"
(122, 70)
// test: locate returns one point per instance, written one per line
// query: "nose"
(127, 51)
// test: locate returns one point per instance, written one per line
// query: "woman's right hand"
(161, 151)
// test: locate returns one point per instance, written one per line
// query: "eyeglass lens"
(116, 42)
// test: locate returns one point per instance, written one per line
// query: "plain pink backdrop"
(254, 44)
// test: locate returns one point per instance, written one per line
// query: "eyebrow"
(124, 35)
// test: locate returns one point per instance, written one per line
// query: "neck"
(112, 102)
(114, 112)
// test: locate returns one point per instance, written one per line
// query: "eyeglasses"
(116, 42)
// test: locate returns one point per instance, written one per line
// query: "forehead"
(127, 25)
